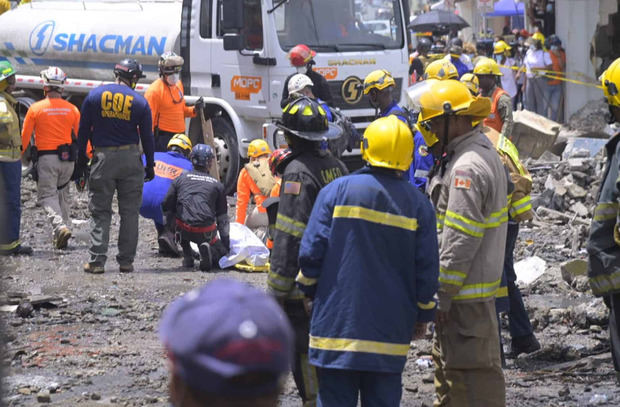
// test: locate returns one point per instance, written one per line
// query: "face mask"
(172, 79)
(533, 47)
(301, 69)
(498, 58)
(554, 48)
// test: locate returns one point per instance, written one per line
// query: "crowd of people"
(424, 232)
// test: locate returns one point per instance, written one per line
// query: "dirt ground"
(97, 343)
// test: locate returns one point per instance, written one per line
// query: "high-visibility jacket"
(10, 139)
(520, 202)
(168, 106)
(54, 122)
(248, 186)
(604, 240)
(558, 63)
(500, 117)
(470, 198)
(369, 258)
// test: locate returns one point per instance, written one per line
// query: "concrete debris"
(572, 269)
(597, 400)
(533, 134)
(591, 118)
(25, 309)
(44, 396)
(529, 269)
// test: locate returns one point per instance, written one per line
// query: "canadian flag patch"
(462, 179)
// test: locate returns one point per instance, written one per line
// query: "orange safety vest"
(493, 120)
(558, 62)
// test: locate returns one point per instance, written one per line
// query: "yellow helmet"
(388, 143)
(257, 148)
(471, 81)
(441, 69)
(379, 79)
(182, 141)
(452, 97)
(610, 80)
(539, 36)
(487, 66)
(500, 47)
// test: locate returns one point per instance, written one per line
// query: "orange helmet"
(300, 55)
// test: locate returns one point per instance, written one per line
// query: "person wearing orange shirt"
(55, 123)
(166, 99)
(255, 179)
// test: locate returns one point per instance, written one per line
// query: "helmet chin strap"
(448, 112)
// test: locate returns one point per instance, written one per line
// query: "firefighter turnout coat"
(604, 240)
(470, 198)
(369, 258)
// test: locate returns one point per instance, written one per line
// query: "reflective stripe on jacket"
(604, 240)
(369, 258)
(520, 202)
(470, 200)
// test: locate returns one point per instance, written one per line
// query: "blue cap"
(224, 330)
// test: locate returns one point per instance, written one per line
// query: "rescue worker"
(469, 192)
(55, 123)
(604, 239)
(255, 180)
(166, 99)
(301, 58)
(168, 167)
(500, 117)
(418, 63)
(502, 55)
(196, 204)
(379, 86)
(395, 304)
(471, 81)
(116, 120)
(242, 359)
(277, 161)
(10, 167)
(301, 85)
(555, 87)
(455, 54)
(311, 168)
(519, 210)
(441, 69)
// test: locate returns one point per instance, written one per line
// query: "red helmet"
(278, 157)
(300, 55)
(524, 33)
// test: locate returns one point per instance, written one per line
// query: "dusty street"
(93, 339)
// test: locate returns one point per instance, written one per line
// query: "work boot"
(206, 259)
(167, 246)
(125, 268)
(62, 238)
(523, 344)
(93, 268)
(20, 250)
(188, 262)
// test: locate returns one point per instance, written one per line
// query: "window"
(205, 18)
(253, 18)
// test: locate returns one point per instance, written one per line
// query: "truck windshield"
(340, 25)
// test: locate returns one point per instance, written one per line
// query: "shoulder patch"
(423, 150)
(292, 187)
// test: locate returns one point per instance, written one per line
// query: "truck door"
(196, 42)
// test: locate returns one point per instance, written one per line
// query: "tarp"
(507, 8)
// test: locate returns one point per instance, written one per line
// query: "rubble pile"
(590, 118)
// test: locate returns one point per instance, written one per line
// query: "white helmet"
(53, 77)
(298, 82)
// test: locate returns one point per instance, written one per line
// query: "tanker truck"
(235, 54)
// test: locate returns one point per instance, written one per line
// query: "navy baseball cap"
(224, 330)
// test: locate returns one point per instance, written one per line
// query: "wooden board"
(208, 138)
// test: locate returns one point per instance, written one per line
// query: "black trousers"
(613, 302)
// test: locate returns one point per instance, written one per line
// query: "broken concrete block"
(580, 209)
(573, 268)
(575, 191)
(577, 164)
(533, 134)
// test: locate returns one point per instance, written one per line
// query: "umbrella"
(438, 20)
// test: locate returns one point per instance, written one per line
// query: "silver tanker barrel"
(87, 38)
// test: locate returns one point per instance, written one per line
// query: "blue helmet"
(202, 155)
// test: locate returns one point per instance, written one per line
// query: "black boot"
(523, 344)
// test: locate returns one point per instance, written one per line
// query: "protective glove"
(200, 104)
(80, 168)
(149, 173)
(226, 242)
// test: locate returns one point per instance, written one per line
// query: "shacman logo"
(352, 90)
(244, 86)
(40, 37)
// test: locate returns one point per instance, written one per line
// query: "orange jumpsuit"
(246, 187)
(168, 106)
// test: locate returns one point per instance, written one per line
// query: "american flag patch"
(291, 187)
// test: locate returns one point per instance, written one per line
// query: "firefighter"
(519, 210)
(469, 192)
(455, 56)
(301, 85)
(441, 70)
(473, 84)
(500, 117)
(302, 58)
(55, 123)
(304, 124)
(255, 180)
(277, 162)
(379, 87)
(10, 167)
(168, 167)
(166, 98)
(396, 303)
(604, 240)
(196, 204)
(116, 120)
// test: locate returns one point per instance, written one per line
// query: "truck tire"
(227, 153)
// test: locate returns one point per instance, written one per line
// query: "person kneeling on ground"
(196, 203)
(238, 355)
(168, 167)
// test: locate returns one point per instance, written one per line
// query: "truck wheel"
(227, 152)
